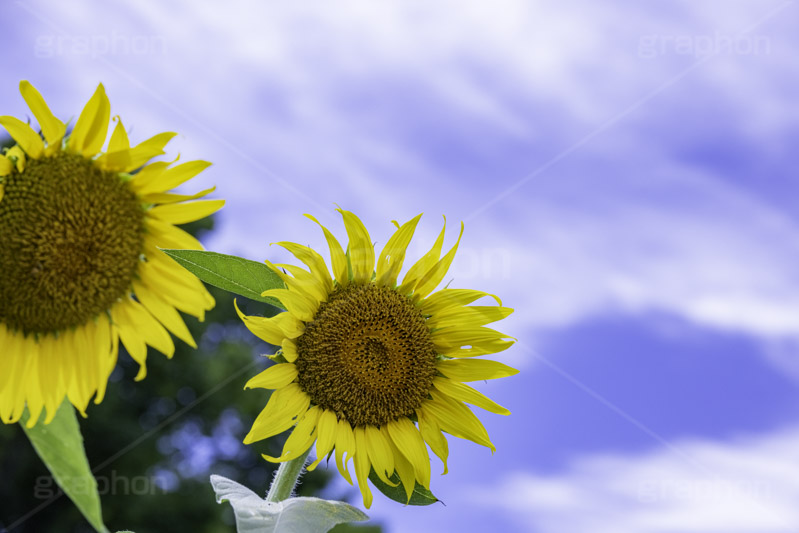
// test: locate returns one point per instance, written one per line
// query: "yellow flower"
(81, 268)
(371, 368)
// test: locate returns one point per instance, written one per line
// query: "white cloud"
(743, 486)
(719, 257)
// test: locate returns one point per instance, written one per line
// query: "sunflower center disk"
(70, 240)
(367, 356)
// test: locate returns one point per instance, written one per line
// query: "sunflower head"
(80, 232)
(372, 368)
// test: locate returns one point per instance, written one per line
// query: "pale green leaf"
(294, 515)
(60, 446)
(233, 274)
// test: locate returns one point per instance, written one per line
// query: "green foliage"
(233, 274)
(419, 496)
(60, 446)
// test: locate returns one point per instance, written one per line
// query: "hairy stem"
(286, 478)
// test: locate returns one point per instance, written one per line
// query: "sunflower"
(80, 232)
(371, 368)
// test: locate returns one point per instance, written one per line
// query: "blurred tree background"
(154, 444)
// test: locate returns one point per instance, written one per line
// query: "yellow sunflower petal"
(289, 325)
(392, 257)
(474, 369)
(171, 178)
(304, 281)
(300, 439)
(313, 261)
(450, 340)
(445, 299)
(167, 198)
(326, 436)
(362, 465)
(130, 159)
(146, 150)
(168, 236)
(148, 327)
(12, 399)
(6, 363)
(423, 265)
(106, 355)
(34, 400)
(473, 316)
(118, 157)
(274, 377)
(478, 349)
(6, 166)
(280, 413)
(52, 128)
(181, 296)
(119, 138)
(16, 154)
(86, 346)
(262, 327)
(289, 350)
(361, 249)
(457, 419)
(380, 453)
(465, 393)
(72, 366)
(28, 349)
(143, 177)
(25, 137)
(49, 375)
(461, 336)
(131, 338)
(296, 304)
(185, 213)
(345, 444)
(90, 349)
(114, 161)
(431, 433)
(405, 469)
(300, 281)
(90, 130)
(174, 284)
(163, 312)
(337, 256)
(432, 278)
(409, 441)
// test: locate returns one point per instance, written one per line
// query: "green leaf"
(60, 446)
(233, 274)
(293, 515)
(419, 496)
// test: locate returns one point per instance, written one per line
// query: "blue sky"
(626, 173)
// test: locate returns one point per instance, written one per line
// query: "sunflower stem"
(288, 473)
